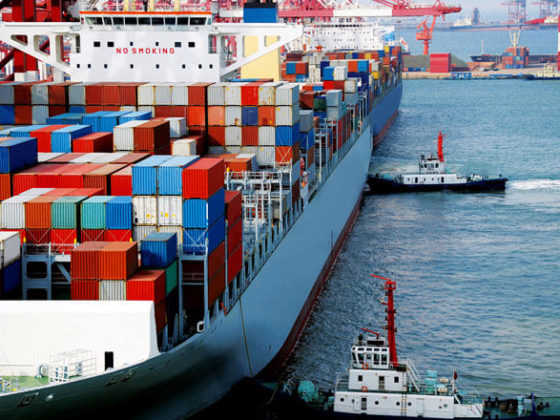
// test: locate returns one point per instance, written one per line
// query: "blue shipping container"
(250, 115)
(363, 66)
(68, 118)
(144, 175)
(198, 213)
(169, 174)
(194, 240)
(260, 15)
(290, 67)
(61, 140)
(77, 109)
(11, 276)
(16, 154)
(135, 116)
(119, 213)
(159, 249)
(328, 73)
(25, 131)
(307, 140)
(94, 119)
(109, 121)
(287, 135)
(7, 114)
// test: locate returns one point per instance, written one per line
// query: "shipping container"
(119, 213)
(10, 281)
(140, 232)
(170, 210)
(144, 210)
(94, 119)
(84, 261)
(135, 116)
(203, 178)
(183, 147)
(13, 211)
(94, 212)
(84, 289)
(287, 135)
(232, 201)
(235, 262)
(101, 177)
(233, 115)
(200, 213)
(267, 93)
(249, 136)
(233, 136)
(198, 94)
(17, 154)
(144, 175)
(65, 212)
(10, 249)
(112, 290)
(233, 93)
(130, 158)
(171, 279)
(151, 135)
(193, 270)
(216, 95)
(169, 174)
(267, 136)
(216, 136)
(267, 115)
(121, 182)
(123, 135)
(287, 95)
(159, 250)
(200, 241)
(234, 234)
(5, 186)
(117, 235)
(38, 212)
(92, 235)
(118, 260)
(287, 115)
(61, 140)
(147, 285)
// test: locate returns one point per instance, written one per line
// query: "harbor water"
(478, 275)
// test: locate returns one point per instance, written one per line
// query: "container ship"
(171, 212)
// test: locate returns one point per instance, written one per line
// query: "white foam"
(535, 184)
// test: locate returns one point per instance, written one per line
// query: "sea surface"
(465, 44)
(478, 275)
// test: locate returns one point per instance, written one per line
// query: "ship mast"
(390, 287)
(440, 147)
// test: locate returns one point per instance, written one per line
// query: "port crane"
(425, 34)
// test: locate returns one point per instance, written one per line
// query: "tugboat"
(432, 176)
(380, 385)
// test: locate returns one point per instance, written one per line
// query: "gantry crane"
(425, 34)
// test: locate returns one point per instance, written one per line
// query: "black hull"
(384, 186)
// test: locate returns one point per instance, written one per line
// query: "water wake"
(535, 184)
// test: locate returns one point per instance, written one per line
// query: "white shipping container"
(36, 192)
(287, 94)
(144, 210)
(334, 97)
(7, 93)
(266, 156)
(305, 120)
(129, 108)
(334, 112)
(375, 65)
(178, 230)
(233, 136)
(233, 115)
(112, 290)
(340, 73)
(39, 114)
(287, 115)
(180, 94)
(77, 93)
(351, 98)
(233, 93)
(177, 127)
(217, 94)
(351, 85)
(146, 94)
(123, 135)
(149, 108)
(170, 210)
(45, 157)
(40, 94)
(267, 136)
(139, 233)
(183, 147)
(267, 93)
(10, 248)
(13, 211)
(162, 94)
(87, 158)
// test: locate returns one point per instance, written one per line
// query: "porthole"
(409, 404)
(376, 402)
(398, 403)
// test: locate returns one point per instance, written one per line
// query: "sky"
(489, 9)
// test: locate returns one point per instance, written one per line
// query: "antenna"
(390, 287)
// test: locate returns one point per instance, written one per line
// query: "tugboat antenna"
(390, 286)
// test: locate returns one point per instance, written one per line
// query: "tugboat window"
(360, 378)
(416, 180)
(364, 404)
(396, 379)
(442, 179)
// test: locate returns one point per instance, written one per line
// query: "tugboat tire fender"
(365, 366)
(364, 389)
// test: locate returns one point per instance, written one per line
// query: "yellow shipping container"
(387, 49)
(375, 75)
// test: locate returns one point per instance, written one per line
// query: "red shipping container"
(66, 157)
(233, 205)
(43, 136)
(310, 156)
(163, 111)
(249, 135)
(38, 236)
(118, 260)
(235, 262)
(267, 115)
(131, 158)
(128, 93)
(92, 235)
(117, 235)
(287, 154)
(295, 192)
(63, 240)
(250, 94)
(179, 111)
(74, 177)
(203, 178)
(22, 93)
(58, 93)
(121, 182)
(84, 260)
(237, 164)
(23, 114)
(193, 271)
(151, 135)
(160, 315)
(5, 186)
(93, 108)
(38, 212)
(235, 234)
(50, 177)
(198, 93)
(60, 192)
(55, 110)
(146, 285)
(302, 68)
(328, 84)
(27, 178)
(216, 137)
(306, 100)
(85, 192)
(196, 115)
(110, 94)
(217, 115)
(352, 66)
(110, 108)
(94, 94)
(93, 143)
(84, 290)
(101, 177)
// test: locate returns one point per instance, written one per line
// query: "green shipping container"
(65, 212)
(93, 212)
(171, 275)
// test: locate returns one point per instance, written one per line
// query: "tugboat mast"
(390, 286)
(440, 147)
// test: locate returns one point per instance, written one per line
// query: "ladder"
(404, 399)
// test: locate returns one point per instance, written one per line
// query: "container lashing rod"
(390, 287)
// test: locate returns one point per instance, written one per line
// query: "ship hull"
(384, 186)
(261, 328)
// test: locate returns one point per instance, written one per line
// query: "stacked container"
(234, 222)
(10, 265)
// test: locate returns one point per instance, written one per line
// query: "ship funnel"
(440, 147)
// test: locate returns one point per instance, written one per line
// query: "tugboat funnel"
(390, 286)
(440, 147)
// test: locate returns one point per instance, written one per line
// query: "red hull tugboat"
(432, 176)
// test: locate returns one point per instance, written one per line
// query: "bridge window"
(130, 21)
(170, 21)
(109, 360)
(157, 44)
(132, 66)
(89, 66)
(96, 44)
(398, 403)
(384, 359)
(110, 44)
(157, 21)
(198, 21)
(184, 66)
(200, 66)
(107, 21)
(191, 44)
(143, 21)
(442, 179)
(118, 20)
(437, 165)
(416, 180)
(105, 66)
(157, 66)
(77, 66)
(376, 402)
(183, 21)
(364, 404)
(178, 45)
(211, 66)
(131, 44)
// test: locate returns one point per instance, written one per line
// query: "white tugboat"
(432, 176)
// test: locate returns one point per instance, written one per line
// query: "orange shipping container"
(216, 115)
(118, 260)
(101, 177)
(151, 135)
(38, 212)
(5, 186)
(216, 137)
(110, 94)
(84, 260)
(267, 115)
(94, 93)
(249, 135)
(93, 143)
(232, 206)
(146, 285)
(196, 115)
(287, 154)
(198, 93)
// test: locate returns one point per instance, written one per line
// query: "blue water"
(465, 44)
(478, 275)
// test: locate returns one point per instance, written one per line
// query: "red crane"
(425, 34)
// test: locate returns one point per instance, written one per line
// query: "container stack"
(515, 58)
(440, 63)
(10, 265)
(15, 154)
(234, 220)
